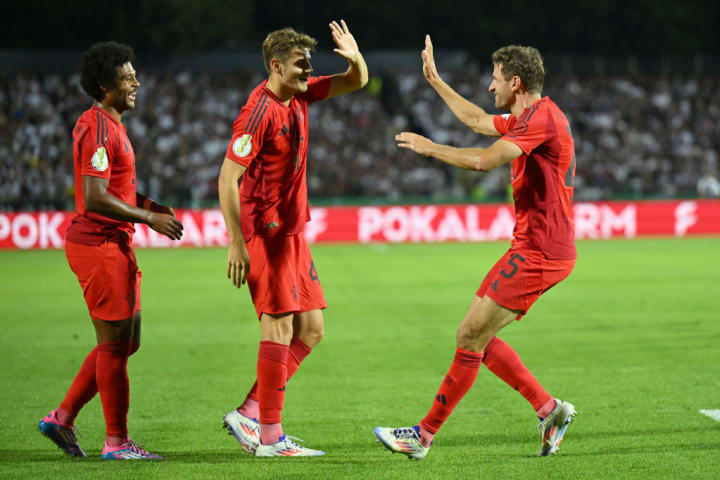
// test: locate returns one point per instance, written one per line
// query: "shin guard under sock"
(114, 386)
(82, 390)
(271, 375)
(503, 361)
(458, 381)
(296, 354)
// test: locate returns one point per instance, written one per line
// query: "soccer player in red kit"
(535, 137)
(99, 250)
(267, 157)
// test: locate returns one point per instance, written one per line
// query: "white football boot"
(552, 428)
(405, 440)
(245, 430)
(285, 447)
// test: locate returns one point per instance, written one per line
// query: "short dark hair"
(525, 62)
(99, 66)
(281, 43)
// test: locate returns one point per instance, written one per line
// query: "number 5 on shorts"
(514, 266)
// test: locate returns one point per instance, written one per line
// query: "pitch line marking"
(714, 414)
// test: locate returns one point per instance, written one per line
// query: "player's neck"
(112, 111)
(283, 94)
(522, 101)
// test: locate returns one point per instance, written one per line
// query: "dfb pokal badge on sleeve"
(243, 145)
(99, 160)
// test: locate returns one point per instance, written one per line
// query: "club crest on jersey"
(243, 146)
(99, 160)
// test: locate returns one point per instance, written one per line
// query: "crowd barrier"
(397, 224)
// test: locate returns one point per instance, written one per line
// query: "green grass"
(631, 338)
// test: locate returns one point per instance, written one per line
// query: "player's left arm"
(481, 159)
(146, 203)
(356, 76)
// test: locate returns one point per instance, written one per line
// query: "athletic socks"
(458, 381)
(114, 386)
(504, 362)
(272, 375)
(82, 390)
(546, 409)
(296, 354)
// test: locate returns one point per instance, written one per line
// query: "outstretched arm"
(482, 159)
(356, 76)
(467, 112)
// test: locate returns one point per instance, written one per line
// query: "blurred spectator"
(634, 137)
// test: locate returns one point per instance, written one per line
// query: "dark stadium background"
(638, 79)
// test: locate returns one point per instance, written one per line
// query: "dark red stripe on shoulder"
(97, 128)
(256, 110)
(259, 118)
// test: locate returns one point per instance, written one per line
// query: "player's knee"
(470, 335)
(317, 334)
(312, 336)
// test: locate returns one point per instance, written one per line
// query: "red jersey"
(271, 140)
(542, 179)
(102, 149)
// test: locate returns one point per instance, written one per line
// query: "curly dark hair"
(99, 66)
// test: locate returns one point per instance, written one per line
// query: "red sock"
(114, 386)
(272, 375)
(81, 391)
(458, 381)
(297, 353)
(504, 362)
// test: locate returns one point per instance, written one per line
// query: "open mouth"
(131, 96)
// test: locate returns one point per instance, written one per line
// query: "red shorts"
(519, 278)
(109, 277)
(282, 275)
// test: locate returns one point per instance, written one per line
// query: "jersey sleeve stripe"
(257, 120)
(97, 128)
(256, 110)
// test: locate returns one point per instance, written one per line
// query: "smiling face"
(295, 71)
(502, 89)
(121, 95)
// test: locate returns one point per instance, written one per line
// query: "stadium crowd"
(634, 137)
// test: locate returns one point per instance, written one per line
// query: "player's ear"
(276, 66)
(105, 89)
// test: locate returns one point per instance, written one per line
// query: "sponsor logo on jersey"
(99, 160)
(243, 146)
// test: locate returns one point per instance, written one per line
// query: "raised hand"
(429, 68)
(416, 143)
(346, 45)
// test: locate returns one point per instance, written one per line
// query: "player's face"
(501, 88)
(296, 71)
(122, 95)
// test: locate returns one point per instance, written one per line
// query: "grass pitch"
(631, 338)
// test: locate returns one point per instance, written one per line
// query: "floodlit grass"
(631, 338)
